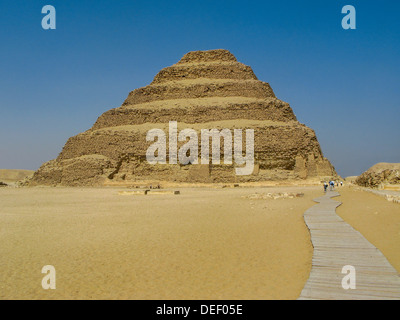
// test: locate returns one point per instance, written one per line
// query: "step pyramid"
(204, 90)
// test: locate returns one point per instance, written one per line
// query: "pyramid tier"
(197, 111)
(213, 70)
(200, 88)
(217, 55)
(284, 149)
(269, 136)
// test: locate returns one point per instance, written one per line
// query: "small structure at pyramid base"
(204, 90)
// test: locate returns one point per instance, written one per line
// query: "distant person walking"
(325, 186)
(332, 185)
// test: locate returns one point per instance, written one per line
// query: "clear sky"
(344, 84)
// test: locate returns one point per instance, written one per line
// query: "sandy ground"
(203, 244)
(376, 218)
(207, 243)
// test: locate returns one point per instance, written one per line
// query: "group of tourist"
(331, 185)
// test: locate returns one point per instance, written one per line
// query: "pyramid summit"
(204, 90)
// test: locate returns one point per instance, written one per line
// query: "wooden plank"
(337, 244)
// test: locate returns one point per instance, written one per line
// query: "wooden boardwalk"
(336, 244)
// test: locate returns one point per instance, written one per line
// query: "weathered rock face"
(204, 90)
(12, 175)
(380, 174)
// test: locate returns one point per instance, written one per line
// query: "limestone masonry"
(379, 175)
(204, 90)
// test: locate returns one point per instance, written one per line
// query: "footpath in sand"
(336, 244)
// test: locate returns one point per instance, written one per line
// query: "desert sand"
(206, 243)
(377, 219)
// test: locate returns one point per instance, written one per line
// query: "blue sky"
(344, 84)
